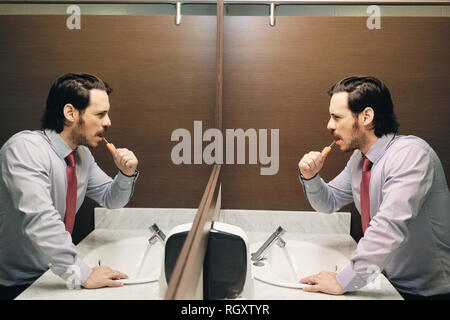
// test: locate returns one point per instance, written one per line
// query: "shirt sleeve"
(408, 179)
(107, 192)
(25, 172)
(331, 197)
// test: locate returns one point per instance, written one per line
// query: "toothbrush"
(327, 150)
(109, 146)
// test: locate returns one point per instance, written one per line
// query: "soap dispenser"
(227, 264)
(226, 272)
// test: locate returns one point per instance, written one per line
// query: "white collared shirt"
(33, 188)
(409, 232)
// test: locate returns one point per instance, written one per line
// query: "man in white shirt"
(404, 198)
(38, 198)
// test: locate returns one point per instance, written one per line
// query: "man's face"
(94, 121)
(344, 125)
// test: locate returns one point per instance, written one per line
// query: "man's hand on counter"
(323, 282)
(104, 276)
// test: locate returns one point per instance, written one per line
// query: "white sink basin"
(127, 256)
(284, 267)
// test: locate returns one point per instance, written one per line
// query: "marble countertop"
(51, 287)
(328, 230)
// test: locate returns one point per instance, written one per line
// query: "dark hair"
(71, 89)
(369, 92)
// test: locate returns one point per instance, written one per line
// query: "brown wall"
(277, 77)
(163, 78)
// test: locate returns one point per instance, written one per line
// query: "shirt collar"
(379, 148)
(61, 146)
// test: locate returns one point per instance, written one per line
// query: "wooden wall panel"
(277, 77)
(163, 78)
(274, 77)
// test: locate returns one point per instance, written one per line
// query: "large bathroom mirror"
(162, 74)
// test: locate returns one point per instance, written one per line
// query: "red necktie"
(71, 197)
(364, 194)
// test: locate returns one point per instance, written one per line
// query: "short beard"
(77, 135)
(358, 138)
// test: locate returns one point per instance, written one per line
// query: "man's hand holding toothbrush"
(124, 159)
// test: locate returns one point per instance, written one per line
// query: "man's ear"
(367, 116)
(70, 113)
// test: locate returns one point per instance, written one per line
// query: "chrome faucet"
(157, 234)
(274, 238)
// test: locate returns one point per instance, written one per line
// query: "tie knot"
(367, 165)
(70, 159)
